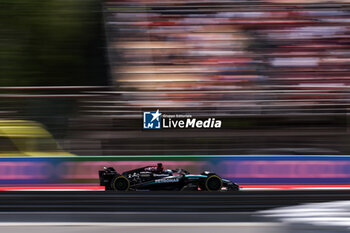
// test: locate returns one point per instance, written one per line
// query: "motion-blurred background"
(81, 72)
(275, 72)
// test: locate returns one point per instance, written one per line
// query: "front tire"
(213, 183)
(121, 184)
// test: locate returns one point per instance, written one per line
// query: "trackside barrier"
(241, 169)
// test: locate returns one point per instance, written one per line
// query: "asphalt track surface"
(80, 206)
(146, 212)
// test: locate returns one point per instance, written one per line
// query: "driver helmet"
(160, 167)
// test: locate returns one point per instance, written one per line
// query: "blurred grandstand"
(276, 73)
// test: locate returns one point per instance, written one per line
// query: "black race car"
(156, 178)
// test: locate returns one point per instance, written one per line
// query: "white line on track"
(118, 213)
(142, 224)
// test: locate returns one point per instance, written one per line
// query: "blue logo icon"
(151, 120)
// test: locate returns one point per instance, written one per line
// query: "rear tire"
(121, 184)
(213, 183)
